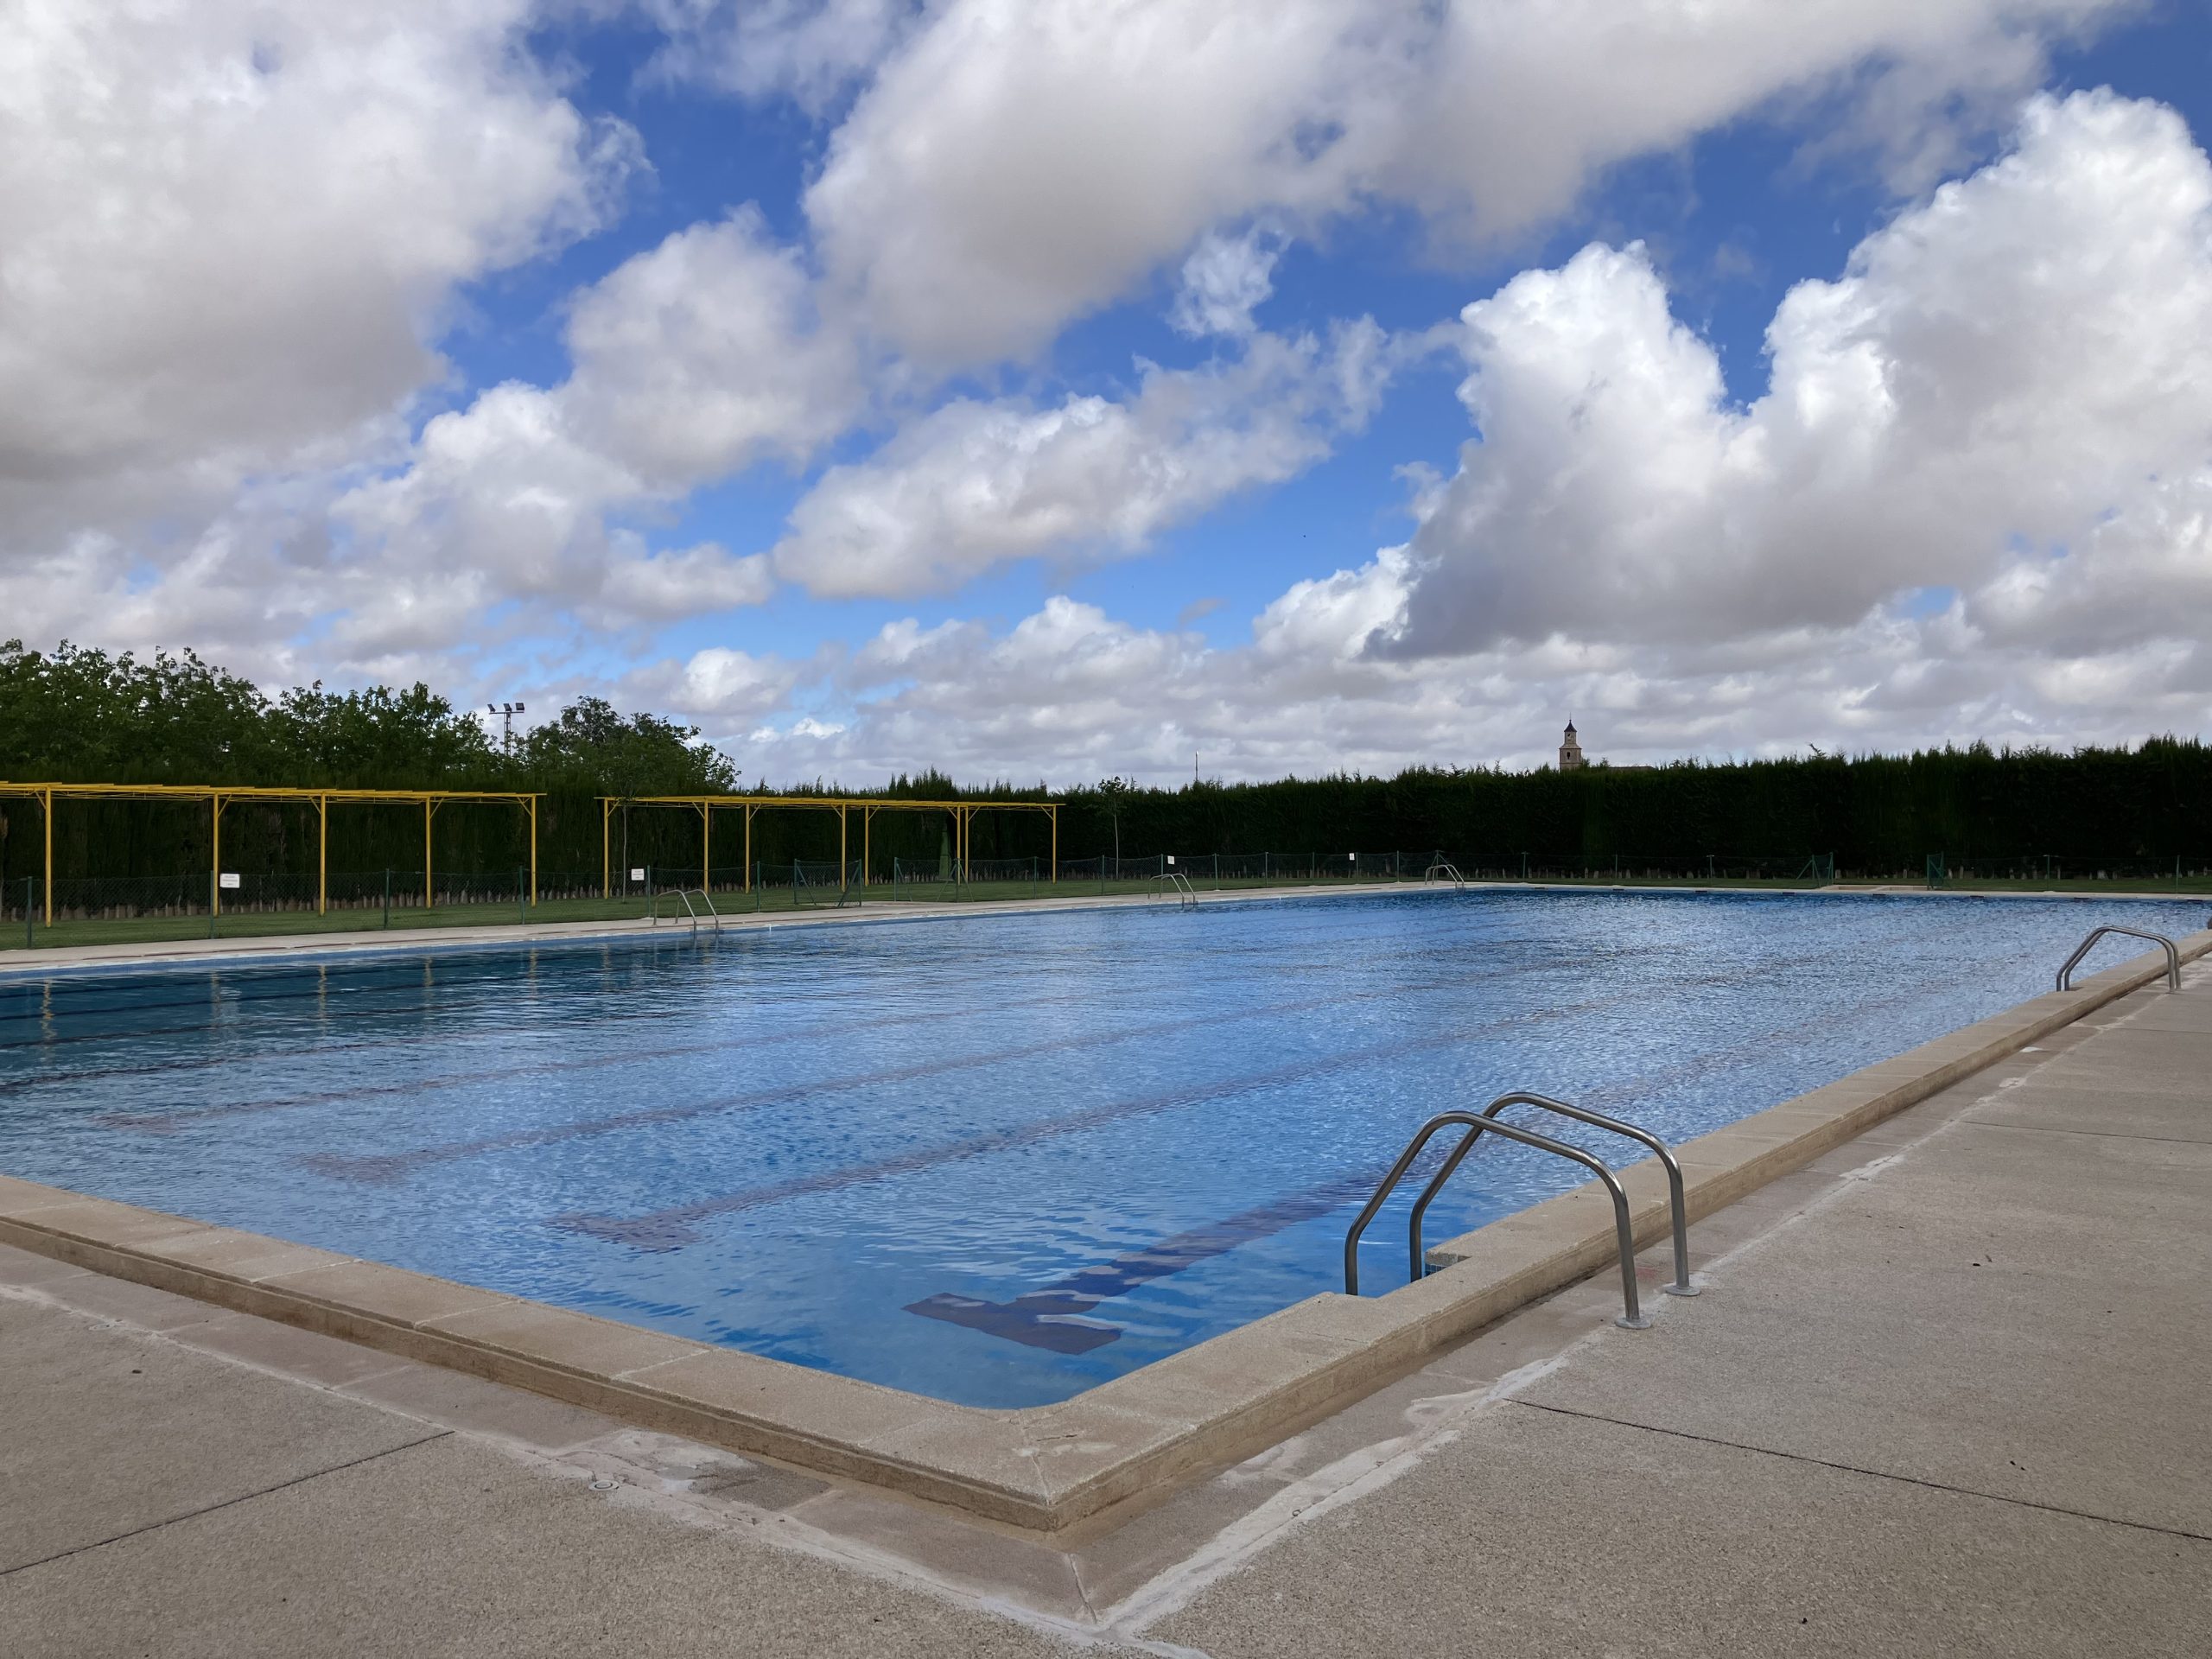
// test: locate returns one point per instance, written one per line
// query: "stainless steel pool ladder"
(1448, 870)
(684, 893)
(1624, 1234)
(2173, 956)
(1174, 881)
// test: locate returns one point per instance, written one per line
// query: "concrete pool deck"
(1945, 1395)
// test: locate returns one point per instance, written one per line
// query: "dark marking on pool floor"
(1052, 1316)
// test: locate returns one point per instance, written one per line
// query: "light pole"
(506, 711)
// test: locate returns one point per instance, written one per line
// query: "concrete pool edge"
(256, 948)
(1042, 1470)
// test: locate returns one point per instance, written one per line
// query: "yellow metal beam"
(259, 791)
(218, 796)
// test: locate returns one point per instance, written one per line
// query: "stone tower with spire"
(1570, 750)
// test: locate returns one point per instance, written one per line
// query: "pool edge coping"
(258, 948)
(1040, 1470)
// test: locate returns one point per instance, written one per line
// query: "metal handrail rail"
(1624, 1235)
(1186, 896)
(1681, 1286)
(2173, 956)
(1452, 870)
(684, 893)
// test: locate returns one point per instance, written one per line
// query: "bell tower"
(1570, 750)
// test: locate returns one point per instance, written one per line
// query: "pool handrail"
(2173, 955)
(1174, 881)
(1451, 873)
(1681, 1286)
(684, 893)
(1632, 1319)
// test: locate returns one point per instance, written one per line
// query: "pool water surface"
(998, 1159)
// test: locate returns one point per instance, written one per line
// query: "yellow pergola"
(962, 813)
(218, 796)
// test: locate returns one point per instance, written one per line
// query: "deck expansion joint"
(1860, 1469)
(225, 1503)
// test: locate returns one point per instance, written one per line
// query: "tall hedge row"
(81, 715)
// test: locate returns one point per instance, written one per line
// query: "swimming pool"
(996, 1160)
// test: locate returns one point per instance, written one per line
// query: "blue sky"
(827, 371)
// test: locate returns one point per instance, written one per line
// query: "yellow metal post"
(533, 852)
(606, 845)
(748, 849)
(867, 822)
(322, 855)
(215, 877)
(1053, 813)
(429, 806)
(841, 849)
(705, 846)
(45, 815)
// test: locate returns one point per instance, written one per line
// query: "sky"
(1053, 389)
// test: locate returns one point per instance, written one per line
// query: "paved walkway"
(1946, 1393)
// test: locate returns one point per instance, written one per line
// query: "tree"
(1114, 794)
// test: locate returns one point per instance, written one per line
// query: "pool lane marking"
(462, 974)
(672, 1229)
(388, 978)
(163, 1123)
(467, 973)
(1052, 1316)
(159, 1121)
(464, 980)
(390, 1166)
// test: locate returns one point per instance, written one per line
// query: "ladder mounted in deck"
(1488, 1123)
(1174, 881)
(2173, 955)
(684, 893)
(1445, 870)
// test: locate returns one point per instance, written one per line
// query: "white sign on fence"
(227, 879)
(637, 875)
(1171, 858)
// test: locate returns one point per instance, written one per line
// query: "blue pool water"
(997, 1160)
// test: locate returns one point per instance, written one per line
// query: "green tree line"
(76, 714)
